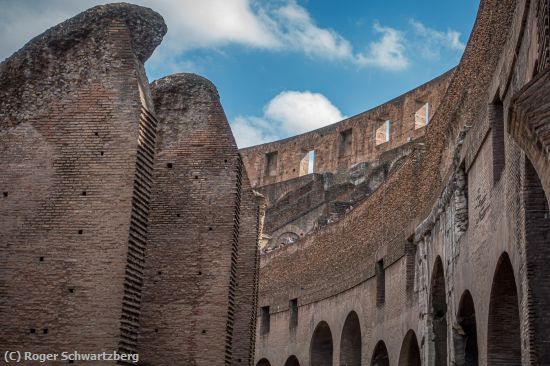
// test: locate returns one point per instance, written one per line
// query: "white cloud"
(288, 113)
(431, 41)
(388, 52)
(212, 24)
(299, 32)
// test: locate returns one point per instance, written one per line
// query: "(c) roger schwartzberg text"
(24, 356)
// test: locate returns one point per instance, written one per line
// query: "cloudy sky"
(284, 67)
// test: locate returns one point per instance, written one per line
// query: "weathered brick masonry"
(446, 262)
(120, 230)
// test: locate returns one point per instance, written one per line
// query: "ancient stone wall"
(71, 102)
(360, 138)
(121, 231)
(438, 266)
(203, 218)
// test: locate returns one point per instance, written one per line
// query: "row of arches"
(321, 350)
(503, 338)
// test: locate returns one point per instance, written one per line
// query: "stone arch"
(380, 355)
(263, 362)
(503, 333)
(410, 353)
(465, 333)
(320, 351)
(438, 307)
(528, 122)
(537, 248)
(350, 343)
(292, 361)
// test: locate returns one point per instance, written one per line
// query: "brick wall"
(70, 116)
(356, 133)
(473, 200)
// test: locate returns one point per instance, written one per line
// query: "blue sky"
(283, 67)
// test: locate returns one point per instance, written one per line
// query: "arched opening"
(320, 352)
(263, 362)
(503, 335)
(439, 313)
(410, 353)
(465, 335)
(380, 355)
(350, 344)
(537, 239)
(292, 361)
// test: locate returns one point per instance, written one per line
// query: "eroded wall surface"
(121, 231)
(360, 138)
(443, 264)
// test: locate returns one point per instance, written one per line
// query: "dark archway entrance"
(292, 361)
(438, 302)
(465, 337)
(320, 351)
(410, 353)
(350, 344)
(503, 336)
(263, 362)
(380, 355)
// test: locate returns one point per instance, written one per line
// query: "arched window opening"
(410, 353)
(350, 344)
(263, 362)
(465, 333)
(503, 336)
(292, 361)
(439, 313)
(380, 355)
(320, 352)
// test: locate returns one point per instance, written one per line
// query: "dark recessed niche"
(209, 229)
(156, 330)
(200, 273)
(32, 330)
(203, 331)
(5, 194)
(225, 160)
(71, 290)
(102, 153)
(178, 215)
(240, 360)
(96, 133)
(196, 177)
(80, 232)
(159, 273)
(45, 331)
(169, 165)
(83, 193)
(41, 259)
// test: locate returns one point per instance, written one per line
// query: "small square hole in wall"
(71, 290)
(169, 165)
(32, 330)
(83, 193)
(5, 194)
(80, 232)
(41, 259)
(45, 331)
